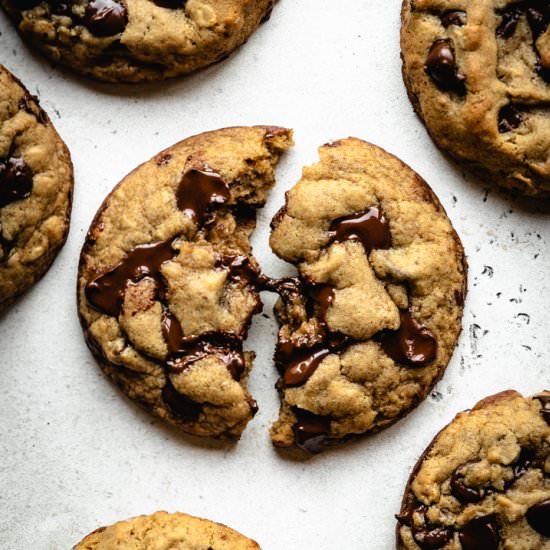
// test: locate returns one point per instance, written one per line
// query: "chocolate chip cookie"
(483, 483)
(371, 321)
(167, 283)
(478, 75)
(36, 182)
(136, 40)
(163, 530)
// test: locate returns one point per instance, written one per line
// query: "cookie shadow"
(500, 197)
(193, 83)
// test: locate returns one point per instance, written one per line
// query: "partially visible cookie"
(167, 283)
(136, 40)
(163, 531)
(478, 75)
(370, 323)
(36, 182)
(483, 483)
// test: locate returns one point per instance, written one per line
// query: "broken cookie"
(370, 323)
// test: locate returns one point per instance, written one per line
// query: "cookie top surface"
(371, 323)
(167, 282)
(36, 179)
(478, 74)
(483, 482)
(135, 40)
(164, 531)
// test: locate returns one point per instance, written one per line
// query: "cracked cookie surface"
(161, 531)
(478, 75)
(370, 323)
(483, 482)
(136, 40)
(36, 182)
(167, 282)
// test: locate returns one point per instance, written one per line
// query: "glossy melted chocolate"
(199, 191)
(411, 344)
(106, 292)
(370, 227)
(15, 180)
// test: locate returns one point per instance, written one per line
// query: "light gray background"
(75, 454)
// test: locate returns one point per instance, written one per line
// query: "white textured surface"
(75, 454)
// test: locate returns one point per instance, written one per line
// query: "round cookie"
(167, 283)
(163, 530)
(36, 183)
(483, 483)
(370, 323)
(136, 40)
(478, 75)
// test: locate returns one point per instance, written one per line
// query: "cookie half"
(164, 530)
(370, 323)
(478, 75)
(137, 40)
(36, 184)
(483, 482)
(167, 283)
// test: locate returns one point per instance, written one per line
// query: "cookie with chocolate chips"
(36, 182)
(164, 530)
(478, 75)
(483, 483)
(167, 283)
(137, 40)
(370, 322)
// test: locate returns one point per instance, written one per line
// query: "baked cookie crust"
(36, 185)
(478, 76)
(163, 530)
(137, 40)
(483, 481)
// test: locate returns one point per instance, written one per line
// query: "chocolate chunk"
(199, 191)
(412, 344)
(526, 461)
(15, 180)
(407, 512)
(186, 350)
(538, 16)
(180, 405)
(441, 66)
(462, 492)
(171, 4)
(289, 289)
(323, 296)
(106, 292)
(105, 17)
(453, 17)
(60, 7)
(301, 364)
(370, 227)
(311, 430)
(432, 538)
(509, 23)
(509, 118)
(545, 407)
(538, 517)
(240, 269)
(172, 331)
(480, 534)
